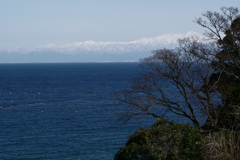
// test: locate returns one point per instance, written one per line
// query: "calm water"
(60, 111)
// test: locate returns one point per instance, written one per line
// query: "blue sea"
(63, 111)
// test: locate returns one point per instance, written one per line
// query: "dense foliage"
(164, 140)
(227, 76)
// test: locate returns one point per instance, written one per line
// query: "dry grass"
(223, 145)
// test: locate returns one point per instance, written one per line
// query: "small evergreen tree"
(227, 77)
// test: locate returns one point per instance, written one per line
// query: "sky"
(32, 23)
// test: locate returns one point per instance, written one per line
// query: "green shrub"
(164, 140)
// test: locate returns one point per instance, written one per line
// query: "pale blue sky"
(31, 23)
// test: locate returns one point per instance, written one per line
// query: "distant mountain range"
(91, 51)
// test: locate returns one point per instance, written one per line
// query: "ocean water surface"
(61, 111)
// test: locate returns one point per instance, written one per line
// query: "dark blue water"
(61, 111)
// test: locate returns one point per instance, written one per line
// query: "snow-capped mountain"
(97, 51)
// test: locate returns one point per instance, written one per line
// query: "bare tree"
(180, 80)
(225, 29)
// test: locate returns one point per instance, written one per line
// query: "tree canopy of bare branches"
(193, 79)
